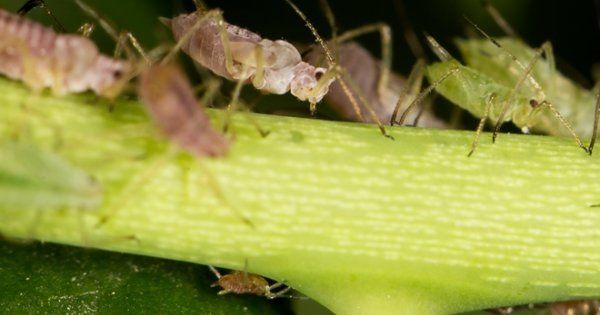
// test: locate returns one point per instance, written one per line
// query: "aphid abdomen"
(205, 45)
(170, 100)
(65, 63)
(239, 282)
(470, 89)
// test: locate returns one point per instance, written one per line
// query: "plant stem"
(361, 223)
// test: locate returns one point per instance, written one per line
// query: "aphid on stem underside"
(242, 282)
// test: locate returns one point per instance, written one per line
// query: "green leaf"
(53, 279)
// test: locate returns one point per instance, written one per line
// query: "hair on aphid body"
(170, 100)
(65, 63)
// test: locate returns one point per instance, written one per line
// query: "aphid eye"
(118, 74)
(533, 103)
(318, 75)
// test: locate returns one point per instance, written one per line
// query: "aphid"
(486, 96)
(64, 63)
(241, 282)
(237, 54)
(386, 91)
(170, 100)
(272, 66)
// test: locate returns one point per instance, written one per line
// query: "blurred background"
(571, 26)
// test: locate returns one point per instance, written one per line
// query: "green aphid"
(574, 102)
(32, 178)
(506, 80)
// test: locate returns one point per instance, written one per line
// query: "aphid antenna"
(530, 78)
(341, 74)
(32, 4)
(499, 19)
(409, 33)
(121, 38)
(326, 7)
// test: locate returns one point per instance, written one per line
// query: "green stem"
(361, 223)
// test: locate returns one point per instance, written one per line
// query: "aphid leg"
(216, 273)
(32, 4)
(339, 73)
(282, 293)
(595, 130)
(424, 94)
(534, 102)
(412, 87)
(426, 107)
(233, 102)
(386, 49)
(343, 78)
(107, 27)
(490, 101)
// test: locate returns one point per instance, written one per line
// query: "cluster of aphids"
(504, 80)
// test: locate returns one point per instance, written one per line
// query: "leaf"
(53, 279)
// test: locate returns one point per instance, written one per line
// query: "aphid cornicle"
(239, 54)
(169, 98)
(64, 63)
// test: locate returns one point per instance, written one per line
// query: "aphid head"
(310, 83)
(113, 75)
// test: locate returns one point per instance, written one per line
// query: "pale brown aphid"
(170, 100)
(64, 63)
(241, 282)
(366, 72)
(238, 54)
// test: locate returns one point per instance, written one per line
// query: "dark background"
(571, 26)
